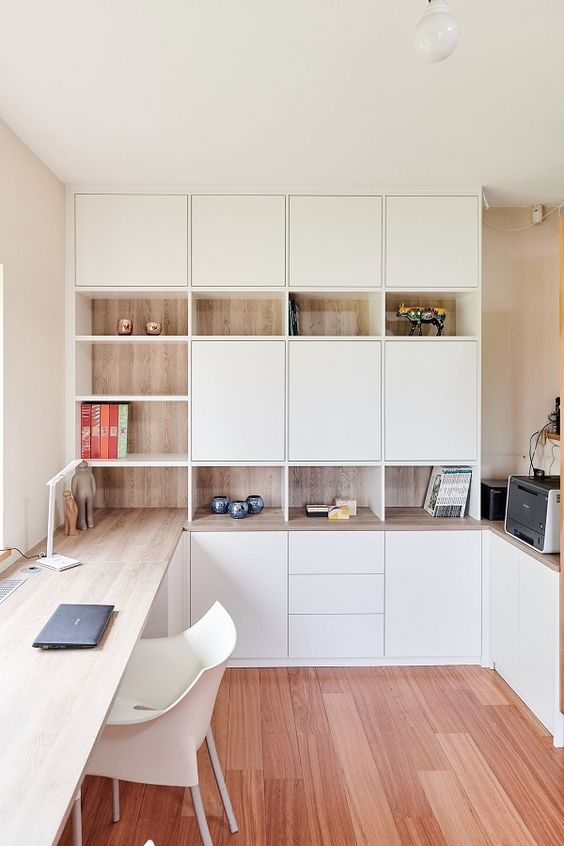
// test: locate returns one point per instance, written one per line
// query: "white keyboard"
(8, 586)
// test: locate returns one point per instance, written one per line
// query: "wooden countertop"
(53, 703)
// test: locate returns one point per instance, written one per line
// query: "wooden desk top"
(53, 703)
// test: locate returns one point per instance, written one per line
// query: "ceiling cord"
(530, 225)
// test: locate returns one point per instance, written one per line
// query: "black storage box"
(494, 499)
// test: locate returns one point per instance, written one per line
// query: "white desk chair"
(162, 714)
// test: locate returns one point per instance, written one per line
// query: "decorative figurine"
(84, 490)
(238, 510)
(418, 315)
(124, 326)
(71, 514)
(152, 328)
(255, 503)
(219, 504)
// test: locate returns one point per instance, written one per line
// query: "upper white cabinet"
(238, 240)
(334, 400)
(238, 400)
(433, 594)
(432, 242)
(130, 240)
(431, 400)
(335, 241)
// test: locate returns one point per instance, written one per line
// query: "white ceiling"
(300, 92)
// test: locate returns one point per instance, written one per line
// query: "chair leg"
(201, 816)
(77, 820)
(222, 787)
(115, 800)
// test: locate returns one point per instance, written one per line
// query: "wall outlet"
(536, 213)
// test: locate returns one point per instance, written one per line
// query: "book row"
(103, 430)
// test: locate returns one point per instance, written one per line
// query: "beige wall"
(520, 354)
(32, 254)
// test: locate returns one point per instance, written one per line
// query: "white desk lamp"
(52, 559)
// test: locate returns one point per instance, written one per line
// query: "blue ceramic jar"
(219, 504)
(255, 503)
(238, 510)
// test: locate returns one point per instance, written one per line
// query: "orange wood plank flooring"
(394, 756)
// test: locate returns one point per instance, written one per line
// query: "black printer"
(533, 511)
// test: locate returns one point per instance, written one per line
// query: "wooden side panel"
(561, 508)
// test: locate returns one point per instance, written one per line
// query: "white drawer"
(337, 594)
(336, 552)
(337, 636)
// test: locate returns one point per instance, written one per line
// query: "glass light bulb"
(437, 33)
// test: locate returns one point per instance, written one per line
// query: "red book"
(113, 437)
(85, 418)
(104, 430)
(95, 430)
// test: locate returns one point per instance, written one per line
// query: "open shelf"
(98, 315)
(139, 459)
(406, 488)
(117, 369)
(237, 483)
(339, 314)
(238, 314)
(141, 487)
(462, 313)
(321, 485)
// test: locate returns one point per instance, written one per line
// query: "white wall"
(32, 254)
(520, 369)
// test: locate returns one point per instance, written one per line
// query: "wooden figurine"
(71, 514)
(84, 490)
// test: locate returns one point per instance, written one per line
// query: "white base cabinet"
(248, 573)
(170, 612)
(524, 627)
(433, 594)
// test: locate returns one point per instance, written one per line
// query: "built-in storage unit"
(524, 626)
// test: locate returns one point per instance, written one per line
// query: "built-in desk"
(53, 703)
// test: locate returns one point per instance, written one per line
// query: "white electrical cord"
(553, 458)
(530, 225)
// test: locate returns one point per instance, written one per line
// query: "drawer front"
(337, 636)
(336, 552)
(337, 594)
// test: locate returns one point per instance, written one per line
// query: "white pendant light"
(437, 33)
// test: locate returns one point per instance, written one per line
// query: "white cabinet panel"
(336, 552)
(538, 637)
(337, 636)
(431, 400)
(238, 400)
(334, 401)
(170, 611)
(247, 573)
(504, 608)
(433, 594)
(432, 242)
(335, 241)
(131, 240)
(238, 240)
(337, 594)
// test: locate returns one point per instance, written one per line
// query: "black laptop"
(74, 627)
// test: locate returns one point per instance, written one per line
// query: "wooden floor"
(402, 756)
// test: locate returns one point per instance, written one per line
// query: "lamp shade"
(437, 33)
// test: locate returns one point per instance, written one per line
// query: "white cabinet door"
(238, 400)
(170, 611)
(431, 400)
(238, 240)
(504, 608)
(538, 637)
(334, 412)
(336, 636)
(336, 552)
(433, 594)
(335, 241)
(248, 573)
(432, 242)
(131, 240)
(361, 593)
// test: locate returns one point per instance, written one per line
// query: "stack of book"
(104, 429)
(293, 317)
(447, 492)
